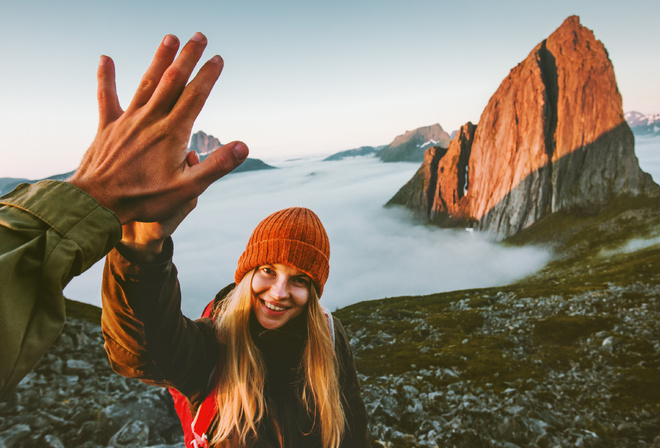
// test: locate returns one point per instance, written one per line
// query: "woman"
(277, 368)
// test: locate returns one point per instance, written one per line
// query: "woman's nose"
(279, 289)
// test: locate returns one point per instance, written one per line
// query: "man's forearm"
(49, 232)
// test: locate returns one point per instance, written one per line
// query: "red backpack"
(195, 428)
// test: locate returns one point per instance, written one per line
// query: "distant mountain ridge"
(362, 151)
(201, 142)
(407, 147)
(553, 137)
(7, 184)
(642, 124)
(411, 146)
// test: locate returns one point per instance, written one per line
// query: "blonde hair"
(242, 373)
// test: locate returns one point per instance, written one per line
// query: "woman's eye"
(301, 281)
(266, 270)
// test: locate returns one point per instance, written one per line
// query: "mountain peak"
(552, 137)
(411, 145)
(203, 143)
(643, 124)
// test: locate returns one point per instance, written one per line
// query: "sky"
(375, 252)
(301, 77)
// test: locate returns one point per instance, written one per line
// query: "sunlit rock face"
(552, 137)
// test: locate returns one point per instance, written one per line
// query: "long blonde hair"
(242, 374)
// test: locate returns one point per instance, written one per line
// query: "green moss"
(566, 330)
(458, 324)
(638, 386)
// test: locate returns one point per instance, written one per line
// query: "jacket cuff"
(123, 262)
(72, 213)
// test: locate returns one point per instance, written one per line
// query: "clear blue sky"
(301, 77)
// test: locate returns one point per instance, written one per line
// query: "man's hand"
(137, 165)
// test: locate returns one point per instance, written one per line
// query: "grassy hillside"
(581, 336)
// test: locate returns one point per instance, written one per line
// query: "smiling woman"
(270, 367)
(281, 293)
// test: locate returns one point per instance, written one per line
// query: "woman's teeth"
(270, 306)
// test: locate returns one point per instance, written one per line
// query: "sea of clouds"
(647, 149)
(376, 252)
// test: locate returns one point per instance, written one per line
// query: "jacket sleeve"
(49, 232)
(357, 434)
(146, 335)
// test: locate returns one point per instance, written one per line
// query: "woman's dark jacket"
(147, 337)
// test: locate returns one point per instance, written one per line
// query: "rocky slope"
(567, 357)
(553, 137)
(73, 399)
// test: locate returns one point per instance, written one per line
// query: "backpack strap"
(195, 427)
(331, 324)
(202, 421)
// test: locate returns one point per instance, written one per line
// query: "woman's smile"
(282, 292)
(273, 307)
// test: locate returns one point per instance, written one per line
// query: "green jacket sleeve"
(49, 232)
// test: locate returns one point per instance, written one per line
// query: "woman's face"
(281, 293)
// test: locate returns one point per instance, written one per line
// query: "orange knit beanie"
(293, 236)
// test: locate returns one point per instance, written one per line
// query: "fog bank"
(648, 152)
(375, 252)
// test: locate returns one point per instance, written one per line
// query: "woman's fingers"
(194, 95)
(162, 60)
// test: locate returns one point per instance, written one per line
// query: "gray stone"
(78, 367)
(133, 434)
(15, 436)
(51, 441)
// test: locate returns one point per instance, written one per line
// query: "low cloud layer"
(648, 153)
(375, 252)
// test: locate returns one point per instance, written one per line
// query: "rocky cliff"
(410, 146)
(552, 137)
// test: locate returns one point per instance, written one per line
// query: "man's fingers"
(109, 108)
(194, 95)
(162, 59)
(176, 76)
(221, 162)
